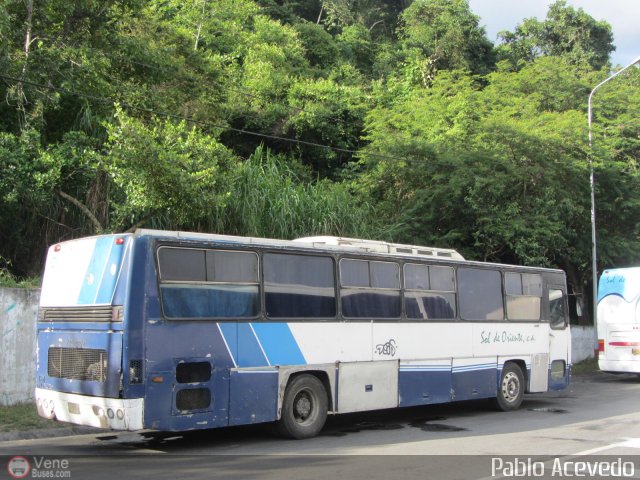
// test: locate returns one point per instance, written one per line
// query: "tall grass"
(268, 199)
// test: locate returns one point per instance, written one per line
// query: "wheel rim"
(304, 407)
(510, 387)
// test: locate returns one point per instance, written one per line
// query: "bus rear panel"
(619, 320)
(84, 335)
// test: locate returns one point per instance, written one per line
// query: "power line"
(200, 122)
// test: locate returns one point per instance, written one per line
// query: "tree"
(566, 32)
(497, 169)
(357, 47)
(320, 47)
(326, 113)
(445, 35)
(616, 153)
(166, 170)
(47, 194)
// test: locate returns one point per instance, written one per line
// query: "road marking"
(629, 443)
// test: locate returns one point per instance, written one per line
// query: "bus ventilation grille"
(77, 314)
(193, 399)
(77, 364)
(135, 372)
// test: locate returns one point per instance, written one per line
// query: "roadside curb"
(47, 433)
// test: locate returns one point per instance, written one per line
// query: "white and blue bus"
(619, 320)
(178, 331)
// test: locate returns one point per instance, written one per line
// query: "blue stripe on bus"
(110, 273)
(250, 353)
(243, 345)
(473, 368)
(92, 276)
(279, 344)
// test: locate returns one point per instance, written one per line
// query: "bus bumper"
(619, 366)
(113, 413)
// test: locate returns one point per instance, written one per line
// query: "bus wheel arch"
(511, 387)
(305, 406)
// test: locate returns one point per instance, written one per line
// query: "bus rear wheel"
(511, 388)
(304, 409)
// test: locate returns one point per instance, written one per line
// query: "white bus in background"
(619, 320)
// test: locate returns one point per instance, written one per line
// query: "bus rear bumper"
(619, 366)
(113, 413)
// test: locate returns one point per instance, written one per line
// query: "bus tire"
(304, 409)
(510, 389)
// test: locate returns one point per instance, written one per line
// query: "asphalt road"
(598, 415)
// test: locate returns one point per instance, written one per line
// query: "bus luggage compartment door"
(367, 386)
(539, 373)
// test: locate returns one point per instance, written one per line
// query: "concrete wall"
(583, 343)
(18, 315)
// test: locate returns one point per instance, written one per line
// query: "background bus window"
(197, 283)
(429, 292)
(370, 289)
(524, 296)
(557, 314)
(480, 293)
(299, 286)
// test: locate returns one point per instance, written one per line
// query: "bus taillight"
(117, 314)
(601, 345)
(119, 241)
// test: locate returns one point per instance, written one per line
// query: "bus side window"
(200, 283)
(299, 286)
(557, 314)
(429, 292)
(524, 295)
(480, 292)
(369, 289)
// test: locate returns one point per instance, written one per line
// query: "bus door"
(559, 337)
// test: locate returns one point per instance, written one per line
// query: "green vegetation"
(24, 416)
(8, 279)
(590, 365)
(396, 120)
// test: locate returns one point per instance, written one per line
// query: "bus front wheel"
(511, 388)
(304, 409)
